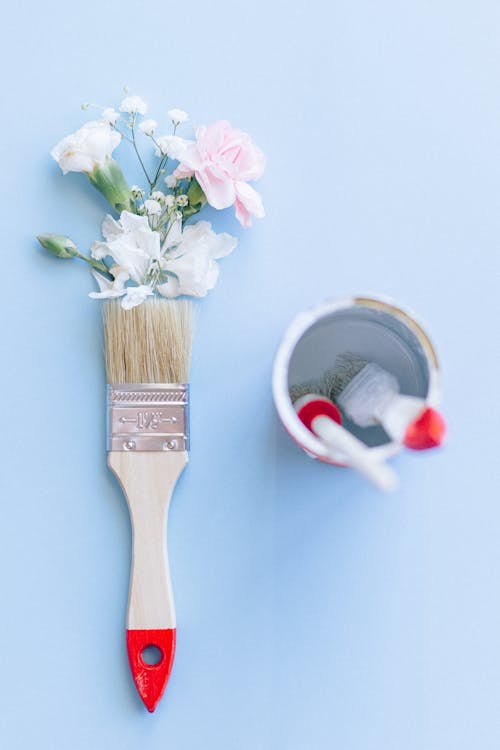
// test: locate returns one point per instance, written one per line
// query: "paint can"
(375, 328)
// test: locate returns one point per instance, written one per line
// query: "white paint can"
(376, 329)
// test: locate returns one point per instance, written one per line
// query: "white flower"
(192, 260)
(170, 181)
(109, 289)
(110, 115)
(182, 200)
(178, 116)
(134, 104)
(89, 147)
(136, 192)
(169, 201)
(157, 195)
(152, 207)
(131, 243)
(136, 295)
(172, 145)
(148, 126)
(132, 295)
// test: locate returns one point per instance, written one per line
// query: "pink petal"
(250, 199)
(250, 162)
(183, 171)
(242, 214)
(218, 188)
(211, 138)
(186, 152)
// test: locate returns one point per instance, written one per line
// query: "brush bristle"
(305, 389)
(150, 343)
(346, 367)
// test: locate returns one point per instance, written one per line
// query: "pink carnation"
(223, 159)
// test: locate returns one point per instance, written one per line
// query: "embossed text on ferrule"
(145, 420)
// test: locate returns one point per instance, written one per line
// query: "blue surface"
(312, 611)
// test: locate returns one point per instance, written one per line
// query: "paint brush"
(147, 353)
(370, 395)
(322, 417)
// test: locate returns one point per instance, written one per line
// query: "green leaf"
(196, 196)
(58, 244)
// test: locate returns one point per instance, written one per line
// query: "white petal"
(131, 222)
(174, 235)
(89, 147)
(170, 289)
(107, 289)
(131, 243)
(222, 245)
(108, 294)
(120, 275)
(103, 282)
(110, 228)
(197, 273)
(99, 250)
(136, 296)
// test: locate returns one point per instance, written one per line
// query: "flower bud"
(58, 244)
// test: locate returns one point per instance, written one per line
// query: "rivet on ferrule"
(148, 417)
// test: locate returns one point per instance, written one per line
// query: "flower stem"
(101, 267)
(134, 144)
(162, 163)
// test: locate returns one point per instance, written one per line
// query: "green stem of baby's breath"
(163, 160)
(134, 144)
(161, 165)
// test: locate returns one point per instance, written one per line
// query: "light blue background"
(313, 612)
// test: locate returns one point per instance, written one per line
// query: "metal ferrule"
(148, 417)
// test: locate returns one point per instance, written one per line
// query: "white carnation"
(131, 243)
(88, 148)
(190, 262)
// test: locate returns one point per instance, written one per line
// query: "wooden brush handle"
(148, 479)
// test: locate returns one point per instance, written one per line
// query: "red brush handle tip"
(427, 431)
(151, 679)
(318, 407)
